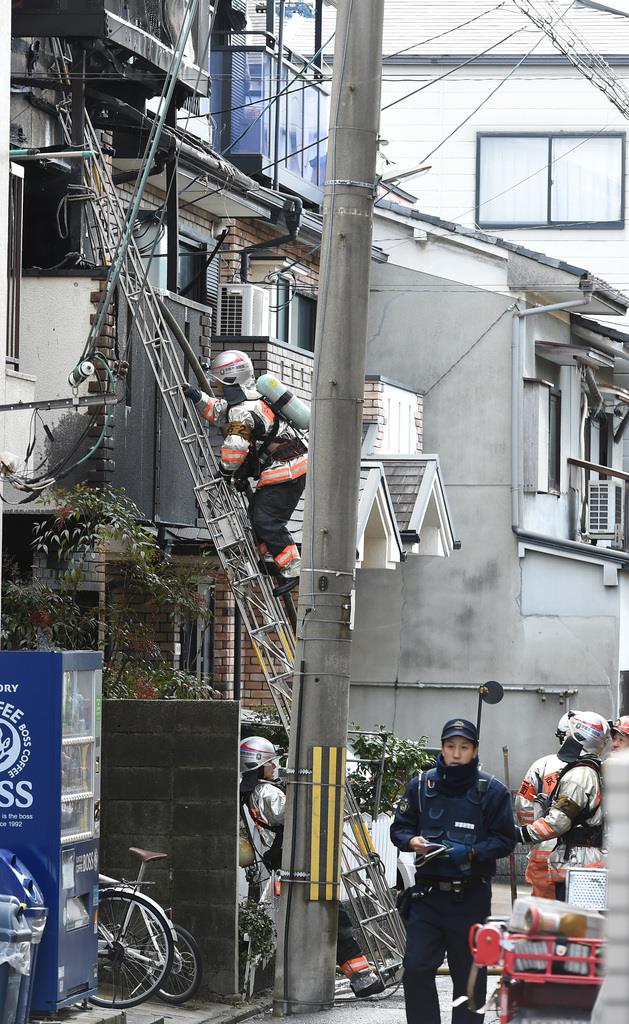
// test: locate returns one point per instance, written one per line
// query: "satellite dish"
(491, 692)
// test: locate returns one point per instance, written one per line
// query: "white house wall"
(54, 327)
(535, 98)
(479, 614)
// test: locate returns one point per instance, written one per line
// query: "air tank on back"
(283, 401)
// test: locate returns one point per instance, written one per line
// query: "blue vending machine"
(50, 716)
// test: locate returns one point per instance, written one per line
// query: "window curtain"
(504, 163)
(586, 179)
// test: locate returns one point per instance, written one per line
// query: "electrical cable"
(447, 32)
(493, 92)
(463, 355)
(452, 70)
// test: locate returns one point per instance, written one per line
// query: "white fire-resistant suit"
(577, 801)
(249, 427)
(540, 780)
(267, 806)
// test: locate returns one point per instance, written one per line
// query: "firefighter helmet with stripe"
(562, 725)
(233, 367)
(255, 752)
(590, 731)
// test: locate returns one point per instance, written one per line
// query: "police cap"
(460, 727)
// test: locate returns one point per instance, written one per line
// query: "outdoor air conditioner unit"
(605, 507)
(243, 311)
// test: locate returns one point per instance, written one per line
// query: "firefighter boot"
(363, 981)
(290, 577)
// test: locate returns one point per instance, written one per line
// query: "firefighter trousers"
(438, 925)
(271, 509)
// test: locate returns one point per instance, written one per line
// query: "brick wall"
(249, 232)
(170, 779)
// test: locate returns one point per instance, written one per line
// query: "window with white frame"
(550, 179)
(542, 437)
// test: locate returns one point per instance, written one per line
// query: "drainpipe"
(292, 216)
(518, 334)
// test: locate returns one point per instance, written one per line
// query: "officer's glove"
(460, 855)
(194, 394)
(522, 834)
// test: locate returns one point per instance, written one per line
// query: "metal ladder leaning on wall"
(225, 514)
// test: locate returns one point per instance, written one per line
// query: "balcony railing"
(245, 105)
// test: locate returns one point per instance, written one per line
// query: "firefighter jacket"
(574, 818)
(476, 815)
(267, 808)
(531, 802)
(253, 444)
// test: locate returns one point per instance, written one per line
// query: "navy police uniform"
(469, 811)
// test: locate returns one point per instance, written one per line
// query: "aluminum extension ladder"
(225, 513)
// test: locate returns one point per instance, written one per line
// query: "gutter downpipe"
(518, 333)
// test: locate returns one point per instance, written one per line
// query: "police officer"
(468, 811)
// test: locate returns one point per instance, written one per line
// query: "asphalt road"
(379, 1010)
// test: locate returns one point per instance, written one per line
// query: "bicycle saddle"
(146, 855)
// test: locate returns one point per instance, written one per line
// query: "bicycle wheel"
(186, 973)
(135, 949)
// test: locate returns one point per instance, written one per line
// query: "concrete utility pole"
(306, 953)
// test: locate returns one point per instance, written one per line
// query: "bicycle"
(141, 952)
(186, 973)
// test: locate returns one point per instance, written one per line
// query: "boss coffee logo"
(15, 752)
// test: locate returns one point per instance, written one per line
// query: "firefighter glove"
(194, 394)
(522, 834)
(226, 473)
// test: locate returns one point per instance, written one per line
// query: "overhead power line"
(569, 41)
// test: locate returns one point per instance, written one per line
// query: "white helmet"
(562, 725)
(233, 367)
(255, 752)
(591, 732)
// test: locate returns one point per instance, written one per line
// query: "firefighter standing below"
(620, 733)
(531, 802)
(575, 815)
(266, 803)
(467, 810)
(257, 445)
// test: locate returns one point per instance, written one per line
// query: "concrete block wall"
(170, 784)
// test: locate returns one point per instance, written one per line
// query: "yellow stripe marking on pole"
(329, 887)
(315, 823)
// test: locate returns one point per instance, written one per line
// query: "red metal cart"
(540, 972)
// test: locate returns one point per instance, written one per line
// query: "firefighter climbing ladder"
(225, 514)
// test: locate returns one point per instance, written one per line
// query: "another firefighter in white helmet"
(258, 445)
(575, 814)
(531, 802)
(266, 803)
